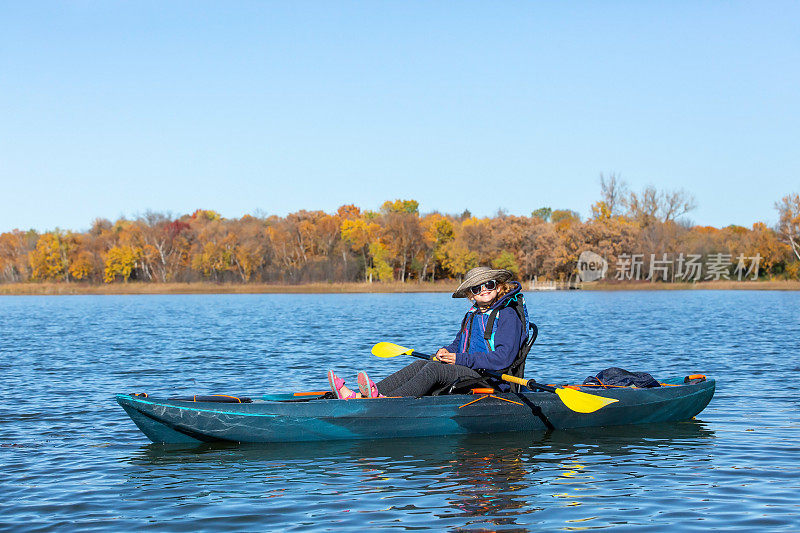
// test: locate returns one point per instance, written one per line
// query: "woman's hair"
(503, 288)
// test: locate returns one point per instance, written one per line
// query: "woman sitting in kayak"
(488, 289)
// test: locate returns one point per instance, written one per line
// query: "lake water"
(70, 458)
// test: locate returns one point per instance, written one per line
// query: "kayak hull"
(282, 418)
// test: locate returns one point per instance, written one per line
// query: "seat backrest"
(517, 368)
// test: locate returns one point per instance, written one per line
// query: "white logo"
(591, 266)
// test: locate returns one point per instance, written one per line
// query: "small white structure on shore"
(552, 285)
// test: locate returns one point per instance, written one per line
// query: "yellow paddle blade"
(581, 402)
(390, 349)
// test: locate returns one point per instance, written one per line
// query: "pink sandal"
(336, 386)
(367, 386)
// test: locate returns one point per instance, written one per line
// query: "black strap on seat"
(460, 383)
(487, 334)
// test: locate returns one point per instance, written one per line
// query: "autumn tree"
(250, 252)
(83, 265)
(477, 235)
(613, 193)
(763, 241)
(402, 232)
(397, 241)
(213, 251)
(437, 231)
(506, 260)
(165, 244)
(537, 250)
(458, 259)
(381, 269)
(14, 247)
(543, 214)
(360, 232)
(50, 260)
(789, 224)
(120, 261)
(651, 205)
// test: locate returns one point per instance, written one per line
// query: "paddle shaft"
(529, 383)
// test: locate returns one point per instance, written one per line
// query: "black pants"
(422, 377)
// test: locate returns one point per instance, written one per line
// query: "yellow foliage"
(793, 270)
(212, 258)
(475, 222)
(400, 206)
(458, 259)
(601, 211)
(206, 214)
(120, 261)
(248, 257)
(48, 261)
(381, 267)
(359, 232)
(438, 230)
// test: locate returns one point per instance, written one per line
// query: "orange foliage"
(394, 243)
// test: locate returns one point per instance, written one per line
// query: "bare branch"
(613, 190)
(651, 205)
(675, 204)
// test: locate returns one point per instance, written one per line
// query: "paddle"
(575, 400)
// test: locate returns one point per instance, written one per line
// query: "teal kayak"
(298, 418)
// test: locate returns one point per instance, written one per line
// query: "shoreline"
(445, 286)
(722, 285)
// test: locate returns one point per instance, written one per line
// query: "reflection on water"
(71, 459)
(476, 481)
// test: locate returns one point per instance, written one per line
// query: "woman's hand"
(446, 357)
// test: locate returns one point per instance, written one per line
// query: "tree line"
(396, 242)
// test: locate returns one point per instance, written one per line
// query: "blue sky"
(115, 108)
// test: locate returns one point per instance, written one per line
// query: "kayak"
(303, 417)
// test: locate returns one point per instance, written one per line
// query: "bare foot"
(345, 392)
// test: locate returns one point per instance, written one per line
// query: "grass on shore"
(48, 288)
(725, 285)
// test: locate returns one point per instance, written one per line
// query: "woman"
(489, 290)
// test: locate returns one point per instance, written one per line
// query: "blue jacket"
(508, 335)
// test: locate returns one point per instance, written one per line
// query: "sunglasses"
(490, 286)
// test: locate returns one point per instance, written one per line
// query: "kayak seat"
(517, 368)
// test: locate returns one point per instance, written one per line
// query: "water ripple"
(70, 458)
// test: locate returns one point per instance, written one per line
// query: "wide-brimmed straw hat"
(479, 275)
